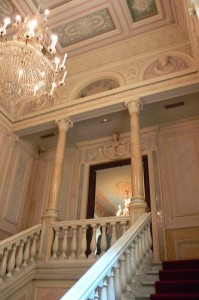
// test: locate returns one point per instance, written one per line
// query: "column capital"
(64, 124)
(135, 105)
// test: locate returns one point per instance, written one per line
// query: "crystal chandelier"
(29, 69)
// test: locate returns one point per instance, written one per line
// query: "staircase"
(170, 280)
(147, 285)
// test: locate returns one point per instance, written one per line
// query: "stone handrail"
(116, 274)
(18, 251)
(78, 238)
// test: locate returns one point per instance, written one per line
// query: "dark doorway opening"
(92, 182)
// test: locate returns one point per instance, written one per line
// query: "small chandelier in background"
(26, 73)
(124, 211)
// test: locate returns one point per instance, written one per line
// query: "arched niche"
(166, 64)
(97, 83)
(99, 86)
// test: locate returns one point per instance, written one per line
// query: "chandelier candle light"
(27, 72)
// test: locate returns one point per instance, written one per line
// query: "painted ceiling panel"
(142, 9)
(86, 27)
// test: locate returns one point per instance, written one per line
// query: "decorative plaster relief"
(165, 65)
(30, 107)
(117, 150)
(85, 27)
(98, 87)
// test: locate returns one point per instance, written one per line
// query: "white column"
(53, 201)
(138, 204)
(52, 214)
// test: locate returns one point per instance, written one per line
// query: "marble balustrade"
(78, 239)
(18, 251)
(118, 272)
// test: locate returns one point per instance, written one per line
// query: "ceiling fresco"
(84, 28)
(142, 9)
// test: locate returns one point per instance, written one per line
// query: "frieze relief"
(117, 150)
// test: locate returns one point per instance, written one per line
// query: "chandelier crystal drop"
(28, 68)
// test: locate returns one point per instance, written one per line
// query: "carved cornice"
(121, 96)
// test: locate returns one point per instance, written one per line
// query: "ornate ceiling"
(116, 48)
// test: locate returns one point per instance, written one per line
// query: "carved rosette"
(64, 124)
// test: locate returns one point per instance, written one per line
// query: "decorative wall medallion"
(115, 150)
(85, 27)
(142, 9)
(165, 65)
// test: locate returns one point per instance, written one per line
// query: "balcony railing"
(78, 239)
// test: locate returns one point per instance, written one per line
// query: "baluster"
(3, 265)
(83, 242)
(103, 242)
(26, 254)
(128, 269)
(117, 284)
(149, 237)
(113, 238)
(132, 258)
(133, 263)
(55, 246)
(93, 242)
(110, 287)
(123, 228)
(96, 297)
(137, 259)
(144, 245)
(64, 244)
(11, 261)
(74, 243)
(33, 248)
(123, 280)
(103, 291)
(140, 248)
(19, 256)
(147, 244)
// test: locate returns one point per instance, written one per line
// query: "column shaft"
(55, 186)
(138, 204)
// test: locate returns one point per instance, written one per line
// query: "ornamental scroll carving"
(116, 150)
(111, 151)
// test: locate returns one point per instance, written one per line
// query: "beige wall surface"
(173, 152)
(16, 164)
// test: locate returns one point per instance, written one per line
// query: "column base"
(52, 214)
(137, 208)
(47, 234)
